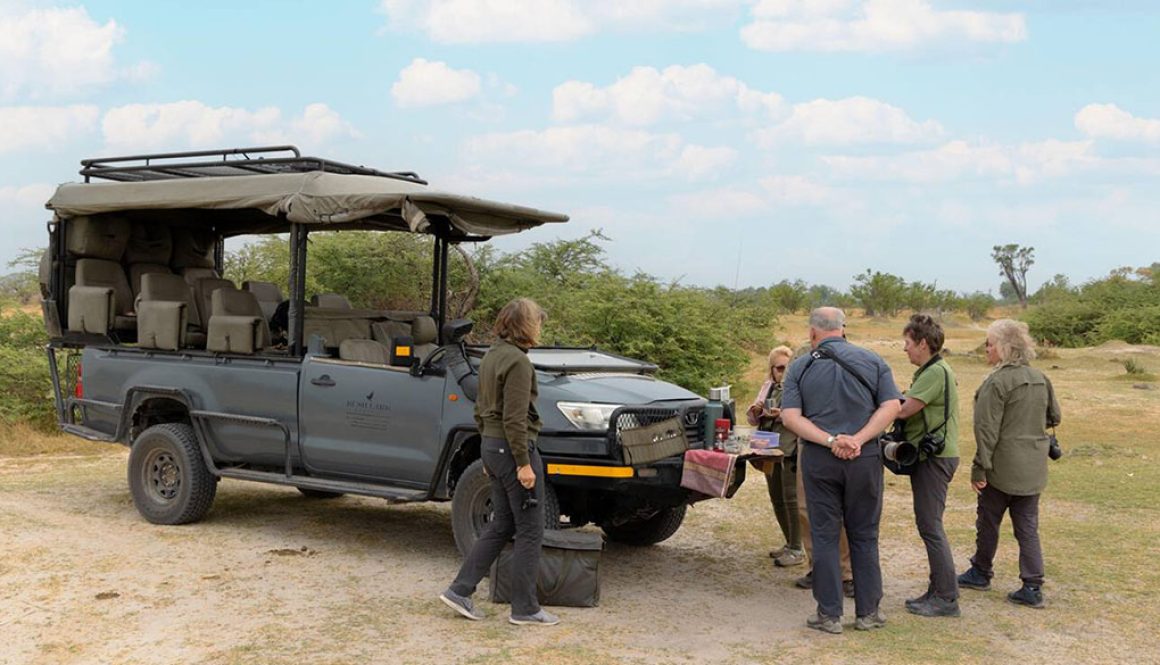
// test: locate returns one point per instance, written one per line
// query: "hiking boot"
(790, 557)
(773, 554)
(540, 618)
(1028, 595)
(832, 625)
(973, 579)
(870, 621)
(934, 607)
(848, 588)
(805, 581)
(914, 602)
(461, 604)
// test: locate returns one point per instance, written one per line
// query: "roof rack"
(230, 162)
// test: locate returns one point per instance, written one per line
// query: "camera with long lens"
(898, 450)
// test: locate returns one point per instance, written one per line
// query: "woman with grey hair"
(1013, 407)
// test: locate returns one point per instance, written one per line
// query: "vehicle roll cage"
(232, 162)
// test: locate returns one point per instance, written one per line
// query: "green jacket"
(1013, 407)
(506, 405)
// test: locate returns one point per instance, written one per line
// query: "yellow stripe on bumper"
(597, 471)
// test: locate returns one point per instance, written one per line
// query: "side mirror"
(455, 331)
(402, 351)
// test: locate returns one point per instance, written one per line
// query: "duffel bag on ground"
(569, 570)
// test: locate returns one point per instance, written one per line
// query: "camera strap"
(823, 352)
(946, 396)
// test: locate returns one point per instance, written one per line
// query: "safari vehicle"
(150, 347)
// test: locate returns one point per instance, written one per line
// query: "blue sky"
(809, 139)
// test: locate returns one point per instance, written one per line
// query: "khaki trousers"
(807, 540)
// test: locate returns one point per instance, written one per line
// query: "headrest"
(164, 286)
(330, 301)
(149, 243)
(423, 330)
(191, 275)
(192, 248)
(267, 291)
(229, 301)
(97, 237)
(363, 350)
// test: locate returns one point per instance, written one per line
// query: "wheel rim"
(483, 513)
(162, 476)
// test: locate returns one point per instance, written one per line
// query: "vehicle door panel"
(370, 422)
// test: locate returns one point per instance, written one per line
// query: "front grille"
(629, 417)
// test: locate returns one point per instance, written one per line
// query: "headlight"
(587, 416)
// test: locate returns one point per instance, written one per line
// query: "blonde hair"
(519, 322)
(1014, 341)
(779, 351)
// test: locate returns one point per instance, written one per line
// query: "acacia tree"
(1014, 261)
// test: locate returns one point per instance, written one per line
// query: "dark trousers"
(929, 485)
(510, 519)
(782, 485)
(844, 492)
(1024, 517)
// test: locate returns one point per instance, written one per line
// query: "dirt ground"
(272, 577)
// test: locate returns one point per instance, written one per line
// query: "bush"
(24, 378)
(1135, 326)
(1125, 306)
(1066, 323)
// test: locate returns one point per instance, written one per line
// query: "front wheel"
(168, 478)
(655, 529)
(471, 509)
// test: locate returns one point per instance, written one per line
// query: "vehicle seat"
(268, 295)
(101, 299)
(385, 332)
(192, 248)
(163, 310)
(103, 237)
(424, 333)
(330, 301)
(236, 324)
(137, 270)
(149, 242)
(191, 275)
(203, 297)
(364, 351)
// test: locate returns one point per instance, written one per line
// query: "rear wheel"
(471, 509)
(658, 528)
(168, 478)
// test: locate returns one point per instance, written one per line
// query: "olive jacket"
(787, 440)
(1013, 407)
(506, 405)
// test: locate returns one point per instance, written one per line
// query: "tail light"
(80, 386)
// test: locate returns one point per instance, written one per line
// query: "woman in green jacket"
(505, 411)
(1013, 407)
(931, 412)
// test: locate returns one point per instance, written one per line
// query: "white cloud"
(1108, 121)
(23, 127)
(795, 190)
(717, 204)
(426, 83)
(873, 25)
(1023, 164)
(25, 196)
(480, 21)
(648, 95)
(849, 121)
(596, 152)
(59, 51)
(196, 125)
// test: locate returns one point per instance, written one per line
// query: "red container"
(720, 433)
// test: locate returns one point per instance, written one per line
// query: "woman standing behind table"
(781, 479)
(931, 411)
(505, 411)
(1013, 407)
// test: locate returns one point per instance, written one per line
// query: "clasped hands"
(846, 447)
